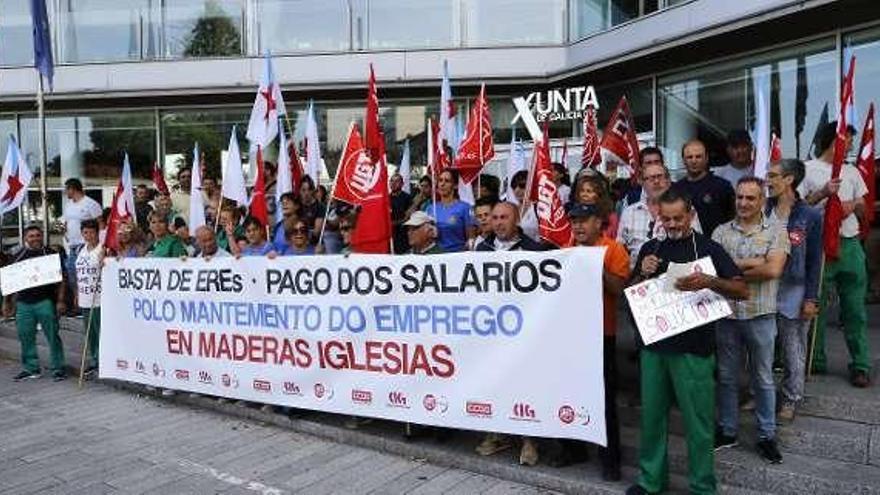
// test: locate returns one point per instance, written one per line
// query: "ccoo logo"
(361, 396)
(121, 364)
(481, 409)
(182, 375)
(262, 385)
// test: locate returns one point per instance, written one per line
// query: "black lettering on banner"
(532, 272)
(550, 269)
(408, 273)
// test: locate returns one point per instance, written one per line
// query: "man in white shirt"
(180, 197)
(740, 150)
(848, 273)
(76, 208)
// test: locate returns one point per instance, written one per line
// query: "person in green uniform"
(680, 368)
(165, 245)
(41, 305)
(230, 230)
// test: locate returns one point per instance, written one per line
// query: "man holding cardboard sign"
(680, 367)
(41, 304)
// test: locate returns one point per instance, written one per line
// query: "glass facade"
(709, 102)
(87, 31)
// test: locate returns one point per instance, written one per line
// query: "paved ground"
(55, 438)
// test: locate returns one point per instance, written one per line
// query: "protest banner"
(508, 342)
(32, 272)
(661, 311)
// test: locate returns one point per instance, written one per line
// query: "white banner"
(32, 272)
(508, 342)
(661, 311)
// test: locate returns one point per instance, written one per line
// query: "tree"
(214, 34)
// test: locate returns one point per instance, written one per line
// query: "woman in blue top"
(255, 234)
(298, 240)
(455, 221)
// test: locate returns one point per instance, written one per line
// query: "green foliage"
(214, 34)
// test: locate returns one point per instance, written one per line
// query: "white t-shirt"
(732, 174)
(88, 277)
(74, 212)
(818, 173)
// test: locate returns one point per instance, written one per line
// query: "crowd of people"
(762, 234)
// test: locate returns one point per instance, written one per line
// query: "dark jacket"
(525, 243)
(805, 259)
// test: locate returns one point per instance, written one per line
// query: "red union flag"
(833, 207)
(373, 138)
(553, 223)
(122, 206)
(591, 156)
(477, 147)
(867, 168)
(440, 157)
(619, 138)
(159, 179)
(357, 175)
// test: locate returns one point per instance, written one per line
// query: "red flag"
(477, 146)
(373, 138)
(591, 156)
(296, 167)
(159, 179)
(833, 207)
(867, 168)
(258, 207)
(553, 224)
(118, 214)
(619, 137)
(362, 179)
(775, 148)
(441, 158)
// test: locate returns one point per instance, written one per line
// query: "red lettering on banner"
(178, 342)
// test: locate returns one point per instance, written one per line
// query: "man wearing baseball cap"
(421, 231)
(587, 225)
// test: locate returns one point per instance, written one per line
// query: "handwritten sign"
(32, 272)
(661, 311)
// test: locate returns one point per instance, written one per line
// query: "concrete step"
(742, 467)
(808, 435)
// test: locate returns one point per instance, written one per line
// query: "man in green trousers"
(680, 368)
(848, 272)
(41, 305)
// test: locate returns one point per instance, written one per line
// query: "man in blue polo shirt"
(711, 196)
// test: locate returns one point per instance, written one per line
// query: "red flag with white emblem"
(619, 138)
(477, 147)
(591, 156)
(833, 207)
(775, 148)
(159, 179)
(553, 224)
(258, 207)
(122, 207)
(867, 168)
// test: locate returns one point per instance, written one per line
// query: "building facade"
(151, 77)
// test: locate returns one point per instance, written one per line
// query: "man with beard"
(680, 368)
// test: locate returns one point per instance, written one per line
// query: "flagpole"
(41, 118)
(480, 174)
(332, 192)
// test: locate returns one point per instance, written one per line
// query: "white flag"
(284, 180)
(466, 192)
(516, 161)
(268, 106)
(313, 146)
(196, 202)
(233, 176)
(128, 186)
(448, 124)
(761, 132)
(405, 169)
(15, 179)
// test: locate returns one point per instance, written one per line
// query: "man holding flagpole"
(848, 273)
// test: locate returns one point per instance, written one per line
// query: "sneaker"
(90, 373)
(723, 441)
(748, 405)
(492, 444)
(26, 375)
(528, 454)
(167, 392)
(769, 452)
(786, 414)
(58, 376)
(859, 379)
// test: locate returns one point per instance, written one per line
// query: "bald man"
(712, 196)
(506, 234)
(207, 242)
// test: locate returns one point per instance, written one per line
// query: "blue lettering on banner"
(479, 320)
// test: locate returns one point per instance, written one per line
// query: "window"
(92, 146)
(304, 26)
(422, 24)
(211, 129)
(202, 28)
(865, 45)
(516, 22)
(108, 30)
(709, 102)
(16, 38)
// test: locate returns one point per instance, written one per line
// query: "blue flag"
(42, 41)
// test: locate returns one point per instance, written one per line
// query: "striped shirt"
(760, 241)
